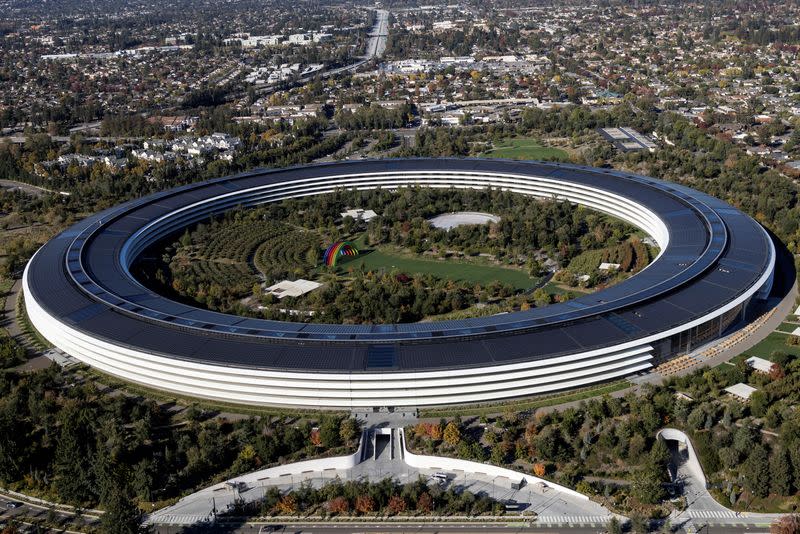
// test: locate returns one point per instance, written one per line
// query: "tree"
(636, 446)
(539, 469)
(780, 471)
(329, 432)
(348, 430)
(614, 526)
(541, 297)
(338, 505)
(122, 515)
(74, 450)
(659, 455)
(287, 505)
(365, 504)
(397, 504)
(452, 434)
(788, 524)
(756, 471)
(424, 503)
(639, 524)
(729, 457)
(759, 403)
(499, 453)
(794, 455)
(646, 485)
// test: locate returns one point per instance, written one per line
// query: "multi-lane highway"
(377, 37)
(376, 46)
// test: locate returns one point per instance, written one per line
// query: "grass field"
(525, 148)
(481, 274)
(773, 342)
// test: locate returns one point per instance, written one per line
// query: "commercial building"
(715, 264)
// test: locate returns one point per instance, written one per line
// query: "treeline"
(128, 124)
(750, 452)
(374, 117)
(205, 97)
(721, 169)
(97, 187)
(525, 225)
(607, 438)
(403, 44)
(39, 217)
(386, 297)
(376, 499)
(762, 32)
(86, 448)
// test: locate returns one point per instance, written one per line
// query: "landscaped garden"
(607, 447)
(395, 265)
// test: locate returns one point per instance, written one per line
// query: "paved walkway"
(385, 461)
(701, 506)
(9, 321)
(782, 309)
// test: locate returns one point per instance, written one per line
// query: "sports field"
(453, 270)
(525, 148)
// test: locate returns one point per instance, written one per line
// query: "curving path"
(701, 507)
(378, 459)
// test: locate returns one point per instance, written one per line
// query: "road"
(431, 528)
(380, 32)
(21, 139)
(377, 528)
(29, 513)
(33, 190)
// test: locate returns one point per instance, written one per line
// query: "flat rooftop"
(292, 288)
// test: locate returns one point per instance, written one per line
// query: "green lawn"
(525, 148)
(448, 269)
(787, 327)
(555, 289)
(773, 342)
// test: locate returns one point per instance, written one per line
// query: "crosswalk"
(177, 519)
(710, 514)
(572, 519)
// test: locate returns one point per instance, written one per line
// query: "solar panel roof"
(715, 253)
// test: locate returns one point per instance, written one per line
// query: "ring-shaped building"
(714, 263)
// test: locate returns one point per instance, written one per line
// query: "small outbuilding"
(741, 391)
(289, 288)
(760, 364)
(360, 214)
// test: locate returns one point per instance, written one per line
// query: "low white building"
(741, 391)
(289, 288)
(760, 364)
(360, 214)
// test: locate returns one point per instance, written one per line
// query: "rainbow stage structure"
(338, 250)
